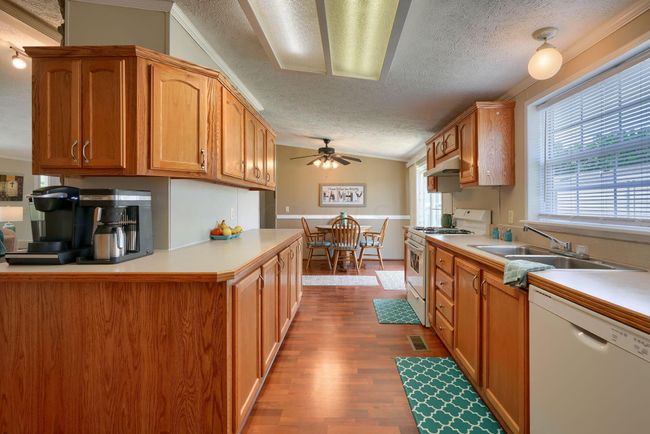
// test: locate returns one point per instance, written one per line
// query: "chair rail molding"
(329, 216)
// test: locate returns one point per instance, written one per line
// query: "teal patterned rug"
(394, 311)
(442, 400)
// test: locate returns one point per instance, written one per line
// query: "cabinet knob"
(268, 177)
(73, 152)
(83, 151)
(441, 306)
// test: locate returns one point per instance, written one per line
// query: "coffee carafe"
(122, 224)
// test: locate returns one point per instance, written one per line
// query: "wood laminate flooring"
(335, 373)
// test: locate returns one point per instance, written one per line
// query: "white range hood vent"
(449, 167)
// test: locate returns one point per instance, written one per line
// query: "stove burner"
(433, 230)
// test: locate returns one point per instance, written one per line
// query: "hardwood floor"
(335, 373)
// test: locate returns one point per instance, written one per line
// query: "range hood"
(449, 167)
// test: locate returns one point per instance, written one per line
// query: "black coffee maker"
(63, 234)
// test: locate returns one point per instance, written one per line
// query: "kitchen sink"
(564, 262)
(505, 250)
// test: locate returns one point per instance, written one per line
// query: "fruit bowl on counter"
(224, 232)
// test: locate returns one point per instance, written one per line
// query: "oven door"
(415, 271)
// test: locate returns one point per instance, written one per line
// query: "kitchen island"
(179, 341)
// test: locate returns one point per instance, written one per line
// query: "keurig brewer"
(61, 228)
(122, 225)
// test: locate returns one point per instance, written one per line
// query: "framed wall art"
(342, 195)
(11, 188)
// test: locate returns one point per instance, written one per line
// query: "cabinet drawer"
(445, 261)
(444, 330)
(445, 307)
(445, 284)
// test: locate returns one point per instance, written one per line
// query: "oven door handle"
(417, 249)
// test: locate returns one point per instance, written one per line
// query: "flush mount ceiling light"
(349, 38)
(547, 60)
(18, 60)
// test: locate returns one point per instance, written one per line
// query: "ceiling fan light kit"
(327, 158)
(547, 60)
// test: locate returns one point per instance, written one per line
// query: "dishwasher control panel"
(631, 342)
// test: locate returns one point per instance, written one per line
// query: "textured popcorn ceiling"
(451, 53)
(47, 10)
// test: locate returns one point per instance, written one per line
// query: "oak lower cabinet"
(467, 317)
(269, 311)
(505, 351)
(284, 291)
(431, 284)
(179, 138)
(246, 338)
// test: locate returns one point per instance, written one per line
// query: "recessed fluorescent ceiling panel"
(289, 29)
(359, 32)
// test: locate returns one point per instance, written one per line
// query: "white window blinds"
(428, 205)
(596, 150)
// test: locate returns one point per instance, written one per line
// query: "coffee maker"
(61, 228)
(122, 225)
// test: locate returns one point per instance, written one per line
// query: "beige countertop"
(212, 260)
(619, 294)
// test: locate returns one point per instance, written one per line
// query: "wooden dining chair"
(316, 240)
(373, 240)
(345, 240)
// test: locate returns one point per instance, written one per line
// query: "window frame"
(428, 206)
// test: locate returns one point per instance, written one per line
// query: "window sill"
(637, 234)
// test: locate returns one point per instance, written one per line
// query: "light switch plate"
(233, 215)
(286, 209)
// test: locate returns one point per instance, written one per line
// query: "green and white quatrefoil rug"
(442, 400)
(394, 311)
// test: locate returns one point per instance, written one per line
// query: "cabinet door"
(232, 138)
(431, 284)
(505, 351)
(449, 140)
(270, 333)
(299, 271)
(468, 149)
(293, 278)
(255, 136)
(430, 156)
(104, 113)
(284, 310)
(246, 329)
(467, 314)
(269, 160)
(179, 120)
(438, 147)
(57, 113)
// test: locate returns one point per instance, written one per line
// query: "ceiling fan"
(328, 158)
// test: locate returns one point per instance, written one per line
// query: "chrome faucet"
(558, 245)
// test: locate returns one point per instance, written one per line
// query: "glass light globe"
(18, 62)
(335, 165)
(545, 63)
(317, 163)
(327, 164)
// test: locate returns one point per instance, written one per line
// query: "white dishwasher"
(588, 374)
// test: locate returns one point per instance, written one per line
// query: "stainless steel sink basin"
(564, 262)
(504, 250)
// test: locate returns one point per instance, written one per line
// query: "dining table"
(345, 262)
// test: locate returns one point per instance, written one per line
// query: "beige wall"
(500, 200)
(387, 192)
(23, 168)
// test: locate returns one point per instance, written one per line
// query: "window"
(595, 152)
(428, 205)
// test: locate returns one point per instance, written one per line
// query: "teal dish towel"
(516, 272)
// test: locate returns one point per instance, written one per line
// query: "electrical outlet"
(233, 214)
(286, 209)
(511, 216)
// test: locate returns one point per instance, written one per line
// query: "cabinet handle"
(440, 328)
(83, 151)
(73, 154)
(473, 285)
(441, 283)
(204, 160)
(483, 289)
(268, 177)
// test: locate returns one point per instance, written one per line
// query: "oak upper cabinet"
(179, 120)
(255, 138)
(432, 181)
(57, 114)
(246, 330)
(467, 144)
(269, 160)
(270, 332)
(232, 136)
(284, 290)
(79, 115)
(505, 351)
(467, 317)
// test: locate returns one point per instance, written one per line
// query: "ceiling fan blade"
(340, 160)
(313, 161)
(351, 158)
(305, 156)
